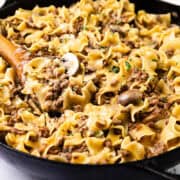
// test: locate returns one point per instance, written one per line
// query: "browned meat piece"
(154, 115)
(108, 143)
(17, 131)
(78, 24)
(158, 109)
(77, 108)
(77, 89)
(106, 97)
(117, 28)
(99, 79)
(33, 138)
(138, 75)
(170, 53)
(44, 132)
(54, 101)
(54, 150)
(114, 82)
(124, 153)
(157, 149)
(89, 70)
(76, 148)
(34, 106)
(81, 148)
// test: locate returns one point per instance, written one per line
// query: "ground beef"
(138, 75)
(44, 132)
(54, 150)
(18, 131)
(108, 143)
(78, 24)
(157, 110)
(157, 149)
(82, 125)
(54, 100)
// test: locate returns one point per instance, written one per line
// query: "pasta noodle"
(119, 104)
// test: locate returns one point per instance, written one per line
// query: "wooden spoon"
(17, 57)
(13, 55)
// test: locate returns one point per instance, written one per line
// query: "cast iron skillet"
(37, 168)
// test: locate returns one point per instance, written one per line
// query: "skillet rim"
(36, 158)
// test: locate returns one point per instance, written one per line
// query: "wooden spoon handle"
(10, 53)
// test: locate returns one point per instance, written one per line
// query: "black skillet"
(37, 168)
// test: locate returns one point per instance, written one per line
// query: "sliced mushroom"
(130, 97)
(71, 63)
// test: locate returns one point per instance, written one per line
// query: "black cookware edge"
(156, 165)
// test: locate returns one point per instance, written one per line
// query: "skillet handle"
(157, 171)
(158, 165)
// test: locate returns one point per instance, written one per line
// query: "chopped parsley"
(164, 99)
(115, 69)
(98, 133)
(85, 28)
(103, 47)
(173, 75)
(155, 60)
(29, 109)
(118, 22)
(128, 65)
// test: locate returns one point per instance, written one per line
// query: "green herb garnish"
(118, 22)
(128, 65)
(103, 47)
(173, 75)
(98, 133)
(155, 60)
(85, 28)
(115, 69)
(28, 109)
(164, 99)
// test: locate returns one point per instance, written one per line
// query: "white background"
(10, 173)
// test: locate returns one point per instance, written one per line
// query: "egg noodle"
(120, 104)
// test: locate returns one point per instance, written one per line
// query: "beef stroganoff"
(102, 83)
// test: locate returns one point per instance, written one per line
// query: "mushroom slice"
(71, 63)
(130, 97)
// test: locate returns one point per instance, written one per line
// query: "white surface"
(2, 2)
(10, 173)
(175, 2)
